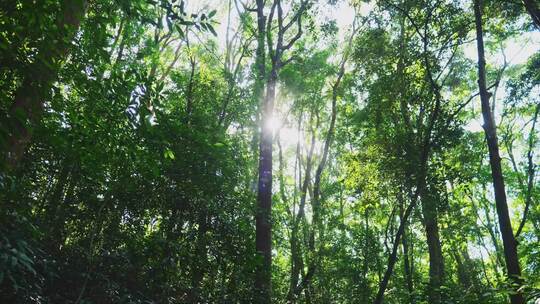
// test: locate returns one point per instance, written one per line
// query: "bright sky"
(517, 50)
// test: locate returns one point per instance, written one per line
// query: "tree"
(25, 111)
(264, 194)
(347, 128)
(505, 225)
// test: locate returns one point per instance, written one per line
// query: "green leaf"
(211, 28)
(168, 154)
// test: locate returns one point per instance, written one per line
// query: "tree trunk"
(436, 264)
(463, 271)
(264, 196)
(263, 237)
(533, 8)
(420, 184)
(296, 249)
(505, 225)
(189, 93)
(27, 106)
(392, 258)
(407, 269)
(263, 221)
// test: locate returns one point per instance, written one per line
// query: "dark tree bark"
(464, 276)
(505, 225)
(264, 196)
(365, 292)
(189, 93)
(533, 8)
(467, 274)
(436, 264)
(27, 106)
(407, 267)
(56, 206)
(263, 241)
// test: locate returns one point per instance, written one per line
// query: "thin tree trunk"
(392, 258)
(490, 227)
(505, 225)
(365, 291)
(296, 250)
(406, 264)
(530, 173)
(189, 93)
(463, 271)
(316, 198)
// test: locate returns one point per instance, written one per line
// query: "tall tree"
(276, 49)
(505, 224)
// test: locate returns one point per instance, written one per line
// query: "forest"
(270, 151)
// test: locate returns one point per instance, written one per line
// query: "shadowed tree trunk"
(533, 8)
(264, 196)
(505, 225)
(464, 276)
(263, 241)
(436, 264)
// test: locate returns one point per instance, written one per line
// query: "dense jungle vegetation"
(270, 151)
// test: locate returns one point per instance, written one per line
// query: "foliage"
(138, 180)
